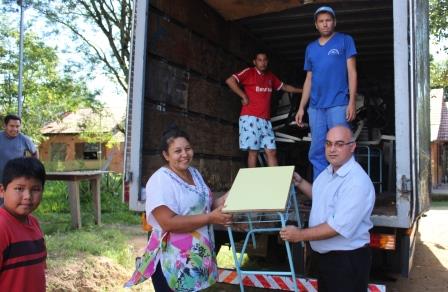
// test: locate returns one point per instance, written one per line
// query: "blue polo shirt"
(344, 200)
(328, 63)
(13, 148)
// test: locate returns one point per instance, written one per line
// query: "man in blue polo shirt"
(14, 144)
(330, 84)
(343, 198)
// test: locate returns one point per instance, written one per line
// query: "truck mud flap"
(278, 282)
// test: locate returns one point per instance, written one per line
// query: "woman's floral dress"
(187, 259)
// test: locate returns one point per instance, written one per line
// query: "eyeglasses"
(337, 144)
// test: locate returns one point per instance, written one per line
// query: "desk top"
(260, 189)
(75, 175)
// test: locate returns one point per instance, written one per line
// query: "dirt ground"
(430, 270)
(429, 273)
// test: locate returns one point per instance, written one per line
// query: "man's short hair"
(28, 167)
(345, 126)
(258, 52)
(324, 9)
(11, 117)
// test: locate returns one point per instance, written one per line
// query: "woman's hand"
(220, 201)
(218, 217)
(296, 179)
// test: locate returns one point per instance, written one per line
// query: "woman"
(180, 207)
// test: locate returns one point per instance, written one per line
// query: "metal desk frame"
(282, 218)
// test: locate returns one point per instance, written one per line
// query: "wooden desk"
(73, 178)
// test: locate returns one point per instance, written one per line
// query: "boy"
(22, 246)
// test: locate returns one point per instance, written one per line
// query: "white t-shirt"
(187, 259)
(166, 188)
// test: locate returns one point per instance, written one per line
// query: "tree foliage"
(439, 74)
(438, 23)
(96, 128)
(113, 18)
(48, 92)
(438, 19)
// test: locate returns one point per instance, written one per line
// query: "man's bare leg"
(252, 158)
(271, 156)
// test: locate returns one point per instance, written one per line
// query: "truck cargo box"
(182, 52)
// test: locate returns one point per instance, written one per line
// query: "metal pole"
(20, 95)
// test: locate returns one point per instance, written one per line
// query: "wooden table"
(73, 178)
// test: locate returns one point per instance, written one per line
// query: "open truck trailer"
(182, 52)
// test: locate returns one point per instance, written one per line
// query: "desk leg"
(95, 185)
(75, 210)
(236, 259)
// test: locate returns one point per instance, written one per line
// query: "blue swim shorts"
(256, 133)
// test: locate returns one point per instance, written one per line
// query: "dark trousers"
(344, 271)
(159, 281)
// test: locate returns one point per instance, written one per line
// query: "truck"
(182, 52)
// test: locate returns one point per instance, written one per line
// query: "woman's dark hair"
(28, 167)
(171, 132)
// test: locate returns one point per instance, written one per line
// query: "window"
(88, 151)
(91, 151)
(58, 151)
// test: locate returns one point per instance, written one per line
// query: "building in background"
(84, 139)
(439, 137)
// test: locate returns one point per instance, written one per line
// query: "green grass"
(105, 241)
(54, 211)
(439, 204)
(109, 239)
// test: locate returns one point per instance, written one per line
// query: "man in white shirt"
(343, 198)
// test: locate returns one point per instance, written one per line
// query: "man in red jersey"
(255, 127)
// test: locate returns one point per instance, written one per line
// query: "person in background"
(22, 245)
(14, 144)
(255, 128)
(330, 84)
(181, 209)
(343, 198)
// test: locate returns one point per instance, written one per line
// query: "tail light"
(382, 241)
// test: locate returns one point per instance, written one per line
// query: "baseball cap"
(326, 9)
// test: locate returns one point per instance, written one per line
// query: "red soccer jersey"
(258, 88)
(22, 254)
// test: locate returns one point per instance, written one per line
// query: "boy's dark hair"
(258, 52)
(28, 167)
(11, 117)
(171, 132)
